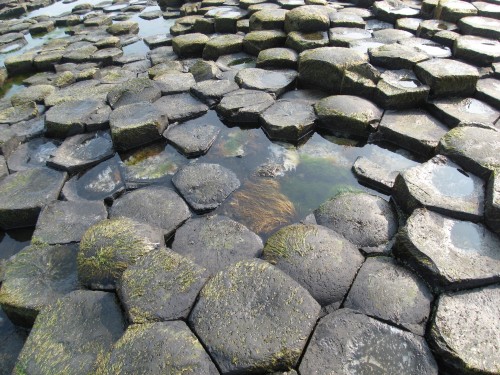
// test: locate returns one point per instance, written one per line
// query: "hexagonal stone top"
(346, 342)
(253, 317)
(205, 186)
(274, 82)
(448, 253)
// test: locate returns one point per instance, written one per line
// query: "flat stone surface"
(244, 105)
(256, 41)
(384, 289)
(480, 26)
(400, 89)
(364, 219)
(23, 194)
(110, 246)
(152, 348)
(280, 58)
(189, 45)
(174, 83)
(18, 113)
(27, 130)
(441, 186)
(32, 154)
(62, 222)
(134, 91)
(88, 89)
(192, 139)
(12, 341)
(35, 278)
(396, 56)
(308, 18)
(476, 50)
(64, 334)
(302, 41)
(180, 107)
(317, 258)
(346, 342)
(274, 82)
(261, 323)
(453, 111)
(268, 19)
(161, 285)
(465, 328)
(222, 45)
(157, 206)
(449, 254)
(492, 207)
(211, 92)
(488, 90)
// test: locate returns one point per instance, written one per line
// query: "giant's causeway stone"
(317, 258)
(158, 348)
(34, 93)
(260, 323)
(244, 105)
(465, 329)
(215, 242)
(189, 45)
(384, 289)
(301, 41)
(366, 220)
(161, 285)
(476, 50)
(18, 113)
(309, 18)
(32, 154)
(453, 111)
(9, 140)
(274, 82)
(488, 89)
(110, 246)
(347, 342)
(134, 91)
(256, 41)
(174, 83)
(396, 56)
(449, 254)
(12, 341)
(157, 206)
(492, 207)
(23, 194)
(35, 278)
(480, 26)
(222, 45)
(192, 139)
(212, 91)
(278, 58)
(180, 107)
(268, 19)
(73, 335)
(400, 89)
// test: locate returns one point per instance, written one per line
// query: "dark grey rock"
(11, 342)
(23, 194)
(34, 93)
(212, 91)
(27, 130)
(189, 45)
(400, 89)
(308, 18)
(134, 91)
(64, 334)
(346, 342)
(110, 246)
(453, 111)
(480, 26)
(192, 139)
(261, 323)
(476, 50)
(449, 254)
(35, 278)
(222, 45)
(4, 171)
(19, 113)
(174, 83)
(9, 140)
(63, 222)
(488, 89)
(32, 154)
(205, 186)
(492, 206)
(244, 105)
(180, 107)
(256, 41)
(280, 58)
(157, 206)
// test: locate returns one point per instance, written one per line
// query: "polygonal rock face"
(32, 154)
(492, 209)
(133, 91)
(162, 285)
(396, 56)
(480, 26)
(212, 91)
(215, 242)
(244, 105)
(157, 206)
(174, 83)
(192, 139)
(11, 342)
(386, 290)
(259, 323)
(168, 348)
(110, 246)
(453, 111)
(441, 186)
(465, 330)
(35, 278)
(189, 45)
(400, 89)
(23, 194)
(449, 254)
(180, 107)
(274, 82)
(74, 333)
(346, 342)
(318, 258)
(307, 18)
(364, 219)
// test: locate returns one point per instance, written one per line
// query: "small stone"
(27, 130)
(244, 105)
(180, 107)
(192, 139)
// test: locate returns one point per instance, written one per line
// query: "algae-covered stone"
(12, 341)
(205, 70)
(158, 348)
(73, 335)
(222, 45)
(347, 342)
(492, 207)
(161, 285)
(268, 19)
(384, 289)
(317, 258)
(205, 186)
(18, 113)
(133, 91)
(110, 246)
(301, 41)
(256, 41)
(174, 83)
(34, 93)
(364, 219)
(35, 278)
(441, 186)
(122, 28)
(260, 323)
(23, 194)
(244, 105)
(180, 107)
(465, 330)
(189, 45)
(396, 56)
(192, 139)
(63, 222)
(215, 242)
(156, 206)
(480, 26)
(449, 254)
(280, 58)
(453, 111)
(308, 18)
(32, 154)
(400, 89)
(274, 82)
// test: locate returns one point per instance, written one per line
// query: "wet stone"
(150, 348)
(32, 154)
(211, 92)
(174, 83)
(34, 93)
(165, 67)
(42, 27)
(384, 289)
(102, 182)
(79, 91)
(133, 91)
(390, 12)
(244, 105)
(480, 26)
(261, 323)
(307, 18)
(274, 82)
(316, 257)
(408, 24)
(23, 194)
(35, 278)
(19, 113)
(11, 342)
(151, 15)
(279, 58)
(123, 28)
(300, 41)
(414, 130)
(453, 111)
(475, 148)
(400, 89)
(427, 29)
(110, 246)
(205, 70)
(79, 54)
(106, 56)
(180, 107)
(64, 334)
(268, 19)
(215, 242)
(488, 89)
(205, 186)
(396, 56)
(448, 77)
(189, 45)
(9, 141)
(222, 45)
(192, 139)
(256, 41)
(348, 114)
(347, 342)
(64, 222)
(464, 330)
(159, 40)
(342, 36)
(492, 207)
(366, 220)
(454, 10)
(441, 186)
(476, 50)
(19, 64)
